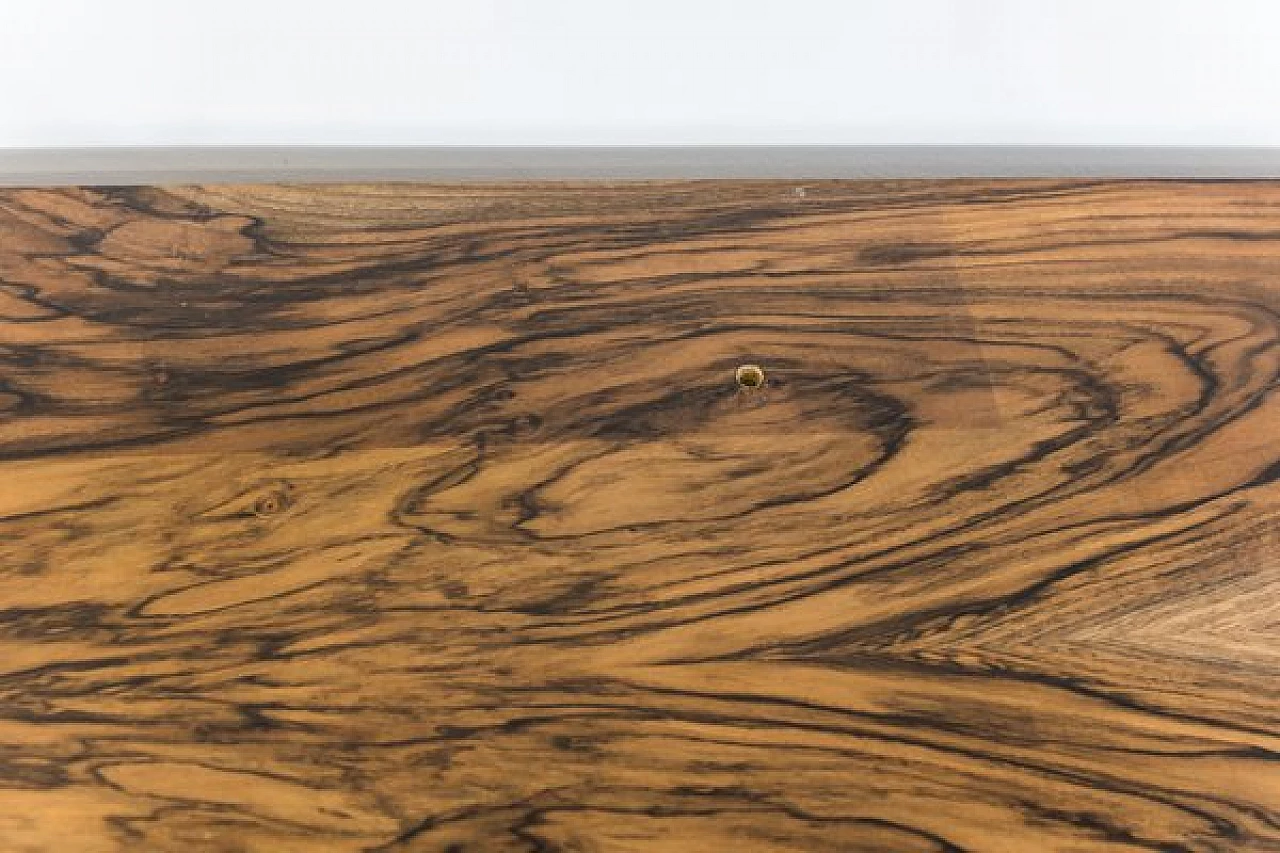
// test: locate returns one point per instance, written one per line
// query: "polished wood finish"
(422, 518)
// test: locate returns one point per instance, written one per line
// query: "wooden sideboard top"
(433, 518)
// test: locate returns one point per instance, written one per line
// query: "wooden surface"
(415, 518)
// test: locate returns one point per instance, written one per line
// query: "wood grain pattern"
(418, 518)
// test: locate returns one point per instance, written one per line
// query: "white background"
(416, 72)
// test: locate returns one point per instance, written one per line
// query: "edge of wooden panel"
(177, 165)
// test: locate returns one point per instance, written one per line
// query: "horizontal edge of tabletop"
(103, 166)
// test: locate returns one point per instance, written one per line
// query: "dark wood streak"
(407, 517)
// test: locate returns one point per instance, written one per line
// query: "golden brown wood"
(417, 518)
